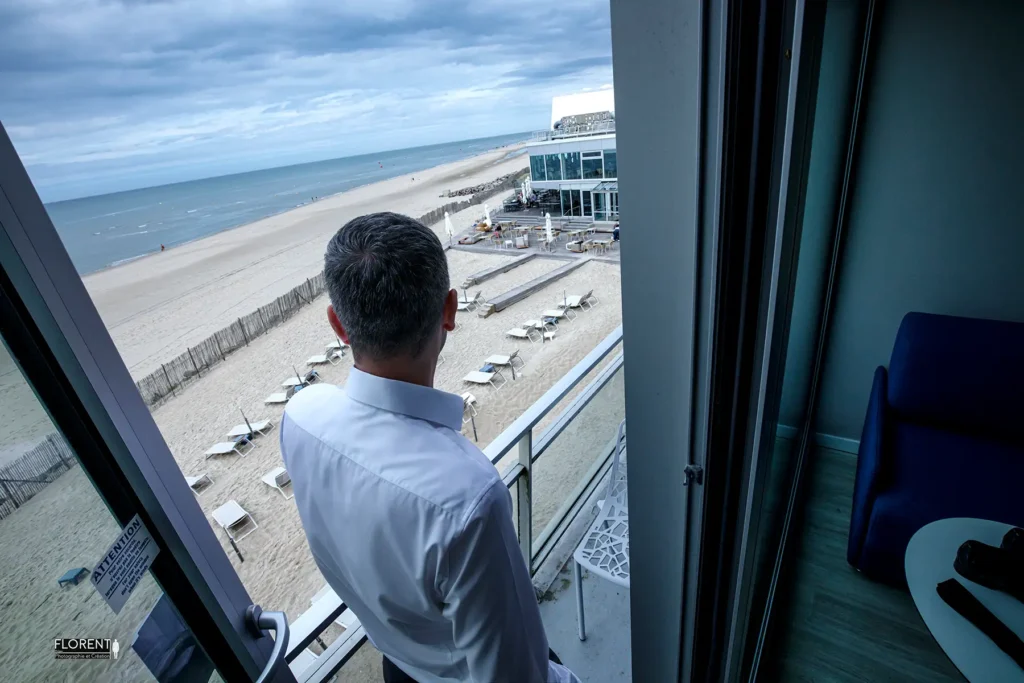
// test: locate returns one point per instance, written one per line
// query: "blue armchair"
(943, 437)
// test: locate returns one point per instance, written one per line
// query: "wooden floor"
(840, 627)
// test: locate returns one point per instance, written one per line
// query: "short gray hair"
(387, 277)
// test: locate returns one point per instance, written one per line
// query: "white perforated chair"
(605, 547)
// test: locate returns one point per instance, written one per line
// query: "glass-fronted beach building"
(577, 157)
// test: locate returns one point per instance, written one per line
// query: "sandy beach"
(157, 306)
(207, 284)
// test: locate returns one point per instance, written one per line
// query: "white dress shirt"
(412, 527)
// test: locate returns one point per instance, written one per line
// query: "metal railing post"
(525, 497)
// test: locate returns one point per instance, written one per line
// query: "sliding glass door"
(110, 569)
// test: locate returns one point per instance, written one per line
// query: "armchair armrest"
(869, 466)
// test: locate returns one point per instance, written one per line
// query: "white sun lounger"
(199, 483)
(524, 333)
(480, 377)
(500, 360)
(336, 345)
(278, 478)
(279, 397)
(542, 326)
(333, 357)
(260, 427)
(585, 302)
(232, 518)
(561, 313)
(225, 447)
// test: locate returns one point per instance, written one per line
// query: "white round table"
(929, 562)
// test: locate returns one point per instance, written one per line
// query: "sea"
(111, 229)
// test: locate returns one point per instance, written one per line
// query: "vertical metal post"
(525, 505)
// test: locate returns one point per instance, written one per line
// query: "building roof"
(582, 103)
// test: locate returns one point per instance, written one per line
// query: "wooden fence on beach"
(30, 473)
(175, 373)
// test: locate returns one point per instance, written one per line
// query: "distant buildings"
(573, 168)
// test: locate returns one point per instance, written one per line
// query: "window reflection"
(592, 166)
(537, 167)
(554, 166)
(586, 203)
(611, 169)
(571, 166)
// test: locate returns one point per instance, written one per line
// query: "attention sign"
(124, 564)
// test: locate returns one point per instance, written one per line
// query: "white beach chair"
(253, 428)
(336, 345)
(199, 483)
(296, 381)
(585, 302)
(500, 360)
(604, 549)
(277, 398)
(333, 357)
(239, 446)
(464, 298)
(482, 378)
(525, 333)
(559, 314)
(542, 326)
(233, 519)
(567, 312)
(278, 478)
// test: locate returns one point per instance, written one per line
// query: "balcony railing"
(582, 421)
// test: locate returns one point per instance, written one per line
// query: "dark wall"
(937, 221)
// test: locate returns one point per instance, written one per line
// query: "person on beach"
(407, 519)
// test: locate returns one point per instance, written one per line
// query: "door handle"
(256, 620)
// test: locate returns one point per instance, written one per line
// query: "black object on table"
(970, 608)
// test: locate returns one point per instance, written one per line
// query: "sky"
(105, 95)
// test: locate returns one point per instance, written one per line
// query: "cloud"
(100, 95)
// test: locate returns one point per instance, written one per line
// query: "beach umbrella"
(487, 215)
(547, 227)
(525, 196)
(448, 227)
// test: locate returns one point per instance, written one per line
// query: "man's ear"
(332, 318)
(451, 305)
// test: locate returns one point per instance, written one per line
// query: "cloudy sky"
(103, 95)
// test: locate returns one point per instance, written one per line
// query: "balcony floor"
(605, 656)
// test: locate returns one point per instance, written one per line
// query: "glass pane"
(572, 459)
(611, 169)
(54, 530)
(537, 167)
(566, 202)
(554, 166)
(592, 168)
(600, 199)
(586, 203)
(571, 165)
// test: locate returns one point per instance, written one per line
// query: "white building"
(577, 157)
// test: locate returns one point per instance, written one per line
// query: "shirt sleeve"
(490, 602)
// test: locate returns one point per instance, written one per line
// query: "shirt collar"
(414, 400)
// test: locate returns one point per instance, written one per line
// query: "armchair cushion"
(932, 475)
(961, 374)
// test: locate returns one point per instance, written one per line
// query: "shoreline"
(133, 259)
(157, 306)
